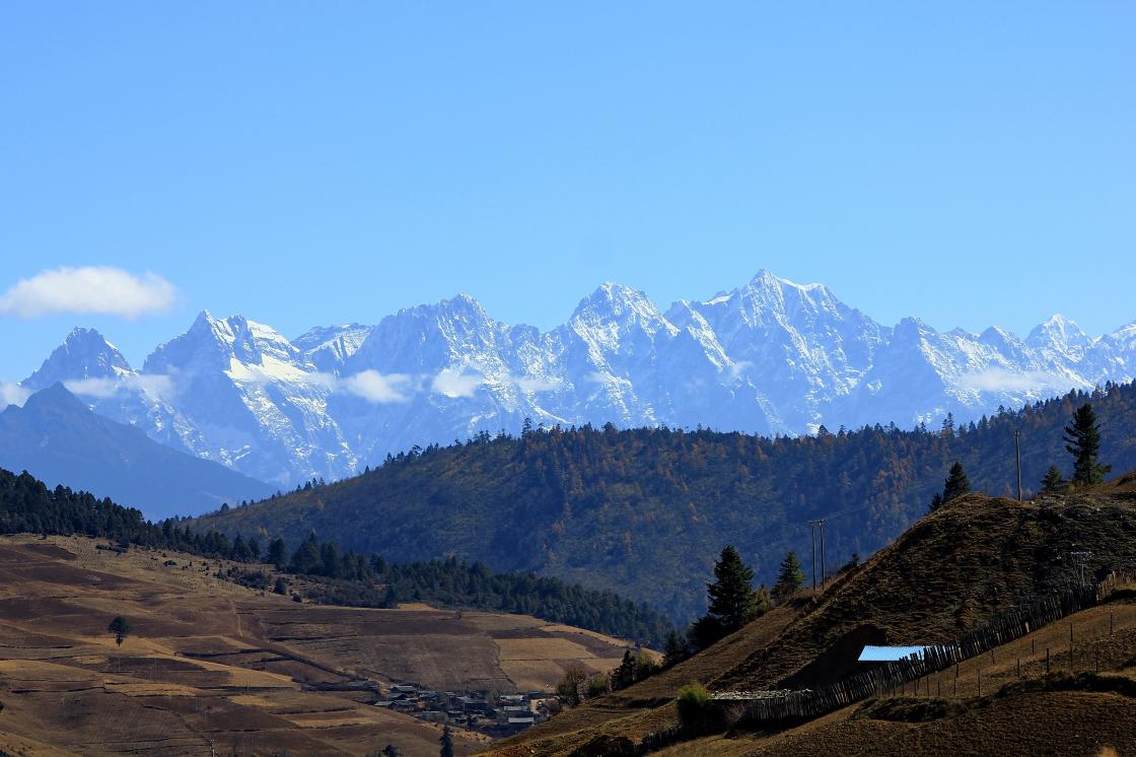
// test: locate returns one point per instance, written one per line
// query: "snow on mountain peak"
(771, 356)
(1058, 332)
(84, 354)
(329, 347)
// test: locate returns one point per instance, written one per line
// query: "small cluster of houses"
(492, 714)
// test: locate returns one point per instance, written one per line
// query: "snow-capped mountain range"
(771, 356)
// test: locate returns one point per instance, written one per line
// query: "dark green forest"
(644, 512)
(27, 505)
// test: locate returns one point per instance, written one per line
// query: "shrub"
(694, 707)
(598, 685)
(569, 687)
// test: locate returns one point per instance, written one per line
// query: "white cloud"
(375, 387)
(98, 290)
(535, 384)
(598, 377)
(453, 383)
(1002, 380)
(99, 388)
(159, 386)
(738, 368)
(12, 394)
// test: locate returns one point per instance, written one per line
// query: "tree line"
(27, 505)
(1082, 440)
(645, 511)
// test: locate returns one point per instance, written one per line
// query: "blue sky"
(306, 163)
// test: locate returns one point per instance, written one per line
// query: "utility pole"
(823, 564)
(813, 541)
(816, 527)
(1018, 457)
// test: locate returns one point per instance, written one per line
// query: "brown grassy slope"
(1084, 707)
(211, 660)
(952, 571)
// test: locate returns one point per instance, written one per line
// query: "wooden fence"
(805, 704)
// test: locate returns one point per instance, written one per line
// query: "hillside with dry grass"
(211, 664)
(953, 571)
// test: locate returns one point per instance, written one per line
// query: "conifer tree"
(733, 600)
(306, 558)
(277, 554)
(240, 551)
(955, 485)
(447, 742)
(674, 650)
(1082, 440)
(120, 627)
(790, 577)
(1053, 482)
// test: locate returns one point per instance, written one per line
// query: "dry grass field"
(212, 664)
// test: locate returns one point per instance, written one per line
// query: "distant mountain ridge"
(58, 439)
(770, 357)
(646, 511)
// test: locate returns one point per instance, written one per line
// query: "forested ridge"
(644, 512)
(331, 575)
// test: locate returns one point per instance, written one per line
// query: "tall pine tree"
(1082, 440)
(733, 600)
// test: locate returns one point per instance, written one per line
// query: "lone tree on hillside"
(790, 577)
(1053, 482)
(447, 742)
(1082, 440)
(956, 485)
(732, 598)
(119, 627)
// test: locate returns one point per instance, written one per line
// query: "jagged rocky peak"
(1058, 332)
(767, 298)
(768, 355)
(216, 342)
(84, 354)
(613, 303)
(329, 347)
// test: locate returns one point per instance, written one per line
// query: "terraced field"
(209, 664)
